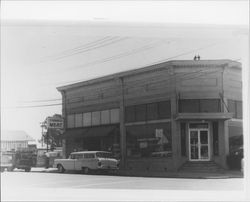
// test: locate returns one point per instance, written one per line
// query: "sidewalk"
(194, 175)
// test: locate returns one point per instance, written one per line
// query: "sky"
(46, 44)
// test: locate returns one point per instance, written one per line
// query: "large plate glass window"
(151, 140)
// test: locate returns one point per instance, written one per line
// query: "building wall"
(171, 81)
(13, 145)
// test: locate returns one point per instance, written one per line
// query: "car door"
(78, 161)
(69, 164)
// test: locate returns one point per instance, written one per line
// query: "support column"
(175, 138)
(223, 143)
(64, 116)
(122, 126)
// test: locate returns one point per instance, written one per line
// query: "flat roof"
(158, 66)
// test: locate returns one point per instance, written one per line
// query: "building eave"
(153, 67)
(204, 116)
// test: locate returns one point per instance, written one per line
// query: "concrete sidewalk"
(194, 175)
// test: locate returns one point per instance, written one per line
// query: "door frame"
(199, 145)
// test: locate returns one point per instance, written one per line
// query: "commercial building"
(158, 117)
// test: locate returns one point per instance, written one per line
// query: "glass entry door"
(199, 145)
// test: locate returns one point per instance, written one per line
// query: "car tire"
(60, 168)
(85, 170)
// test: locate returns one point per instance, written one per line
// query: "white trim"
(199, 144)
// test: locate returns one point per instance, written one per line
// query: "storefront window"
(130, 114)
(210, 105)
(235, 107)
(87, 119)
(78, 120)
(189, 105)
(151, 111)
(164, 110)
(71, 121)
(151, 140)
(96, 118)
(199, 105)
(140, 112)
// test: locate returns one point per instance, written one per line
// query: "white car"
(87, 160)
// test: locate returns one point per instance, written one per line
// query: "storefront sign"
(159, 133)
(55, 123)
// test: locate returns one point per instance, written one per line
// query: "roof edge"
(149, 68)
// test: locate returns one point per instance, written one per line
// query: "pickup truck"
(87, 160)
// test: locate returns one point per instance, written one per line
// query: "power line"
(79, 47)
(149, 64)
(194, 74)
(183, 77)
(93, 48)
(33, 106)
(121, 55)
(88, 48)
(49, 100)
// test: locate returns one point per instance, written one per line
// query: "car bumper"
(104, 167)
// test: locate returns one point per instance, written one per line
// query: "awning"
(98, 131)
(204, 116)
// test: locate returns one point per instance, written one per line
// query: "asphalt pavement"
(47, 185)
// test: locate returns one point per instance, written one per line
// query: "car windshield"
(104, 155)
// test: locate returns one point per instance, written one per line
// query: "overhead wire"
(186, 76)
(182, 78)
(121, 55)
(149, 64)
(49, 100)
(113, 41)
(85, 48)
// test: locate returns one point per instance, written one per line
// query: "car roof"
(88, 152)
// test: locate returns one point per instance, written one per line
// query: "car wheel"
(85, 170)
(60, 168)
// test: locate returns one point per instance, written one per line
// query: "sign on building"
(54, 123)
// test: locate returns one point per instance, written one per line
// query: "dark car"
(235, 158)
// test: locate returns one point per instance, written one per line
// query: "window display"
(150, 140)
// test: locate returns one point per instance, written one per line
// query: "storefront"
(159, 117)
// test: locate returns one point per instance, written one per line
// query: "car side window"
(72, 156)
(79, 156)
(89, 156)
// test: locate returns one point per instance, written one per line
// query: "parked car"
(87, 160)
(23, 158)
(235, 159)
(7, 161)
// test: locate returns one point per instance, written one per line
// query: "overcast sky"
(48, 44)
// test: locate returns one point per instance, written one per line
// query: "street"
(41, 186)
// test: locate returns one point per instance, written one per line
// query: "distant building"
(159, 117)
(12, 140)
